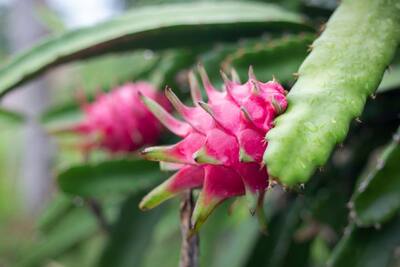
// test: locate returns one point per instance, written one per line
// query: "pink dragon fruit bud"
(223, 143)
(118, 121)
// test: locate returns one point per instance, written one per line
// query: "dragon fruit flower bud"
(118, 121)
(222, 143)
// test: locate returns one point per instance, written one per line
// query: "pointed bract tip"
(168, 91)
(203, 73)
(156, 197)
(244, 157)
(254, 199)
(202, 210)
(225, 78)
(166, 88)
(194, 88)
(235, 76)
(251, 74)
(175, 101)
(256, 202)
(246, 114)
(251, 200)
(176, 126)
(159, 153)
(140, 94)
(256, 87)
(277, 107)
(201, 156)
(148, 102)
(206, 107)
(210, 90)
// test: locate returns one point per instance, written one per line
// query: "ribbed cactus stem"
(344, 68)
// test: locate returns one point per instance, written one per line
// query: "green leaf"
(227, 239)
(167, 234)
(150, 27)
(279, 57)
(109, 177)
(49, 18)
(212, 59)
(11, 156)
(63, 114)
(319, 251)
(76, 226)
(8, 117)
(130, 235)
(54, 212)
(345, 66)
(84, 254)
(275, 250)
(170, 64)
(367, 247)
(108, 71)
(377, 197)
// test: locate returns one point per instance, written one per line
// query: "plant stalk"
(94, 206)
(190, 241)
(97, 210)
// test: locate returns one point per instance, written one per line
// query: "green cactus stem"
(345, 66)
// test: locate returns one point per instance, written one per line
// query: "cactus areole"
(118, 121)
(223, 143)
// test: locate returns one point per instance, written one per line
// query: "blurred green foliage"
(307, 229)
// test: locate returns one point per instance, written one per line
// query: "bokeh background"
(39, 226)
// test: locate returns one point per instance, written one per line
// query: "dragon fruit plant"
(237, 142)
(118, 121)
(223, 143)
